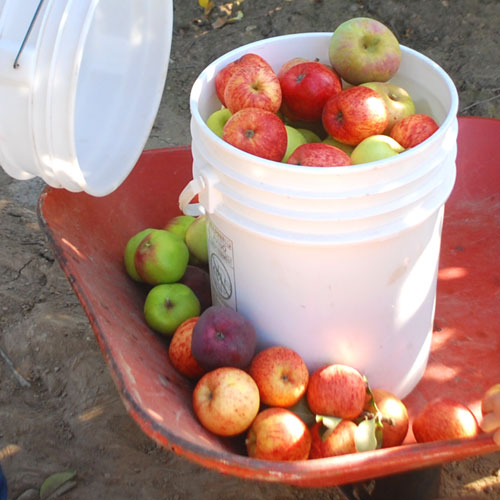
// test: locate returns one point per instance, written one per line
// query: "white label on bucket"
(221, 263)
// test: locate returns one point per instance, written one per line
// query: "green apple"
(294, 140)
(179, 224)
(309, 135)
(346, 148)
(217, 120)
(129, 253)
(375, 147)
(398, 101)
(168, 305)
(364, 50)
(161, 257)
(196, 239)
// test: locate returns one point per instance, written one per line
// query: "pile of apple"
(268, 397)
(285, 413)
(313, 114)
(172, 261)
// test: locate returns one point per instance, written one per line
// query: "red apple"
(253, 87)
(228, 71)
(393, 416)
(354, 114)
(443, 419)
(258, 132)
(332, 442)
(413, 130)
(281, 376)
(226, 401)
(319, 154)
(305, 89)
(278, 434)
(336, 390)
(179, 350)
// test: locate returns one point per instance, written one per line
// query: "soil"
(59, 408)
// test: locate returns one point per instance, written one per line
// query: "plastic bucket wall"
(339, 264)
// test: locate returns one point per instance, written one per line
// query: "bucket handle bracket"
(192, 189)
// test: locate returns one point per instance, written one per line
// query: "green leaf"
(55, 482)
(329, 422)
(301, 409)
(365, 436)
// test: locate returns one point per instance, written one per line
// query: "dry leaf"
(237, 17)
(219, 22)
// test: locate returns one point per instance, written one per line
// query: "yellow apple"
(375, 147)
(398, 101)
(346, 148)
(217, 120)
(294, 140)
(278, 434)
(281, 376)
(226, 401)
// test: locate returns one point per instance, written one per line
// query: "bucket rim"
(315, 171)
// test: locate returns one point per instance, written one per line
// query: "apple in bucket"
(305, 89)
(225, 74)
(319, 154)
(413, 130)
(398, 101)
(258, 132)
(364, 50)
(295, 138)
(355, 114)
(253, 86)
(374, 148)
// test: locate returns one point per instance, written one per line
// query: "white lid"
(78, 108)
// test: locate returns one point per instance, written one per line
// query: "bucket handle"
(193, 188)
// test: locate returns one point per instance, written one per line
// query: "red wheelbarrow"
(88, 236)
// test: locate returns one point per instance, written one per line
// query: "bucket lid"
(81, 82)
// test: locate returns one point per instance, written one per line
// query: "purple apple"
(223, 337)
(198, 280)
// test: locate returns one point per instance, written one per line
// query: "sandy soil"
(62, 410)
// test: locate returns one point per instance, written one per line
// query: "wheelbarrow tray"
(88, 236)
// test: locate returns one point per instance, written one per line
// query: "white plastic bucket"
(80, 85)
(339, 263)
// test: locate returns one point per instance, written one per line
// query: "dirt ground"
(62, 411)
